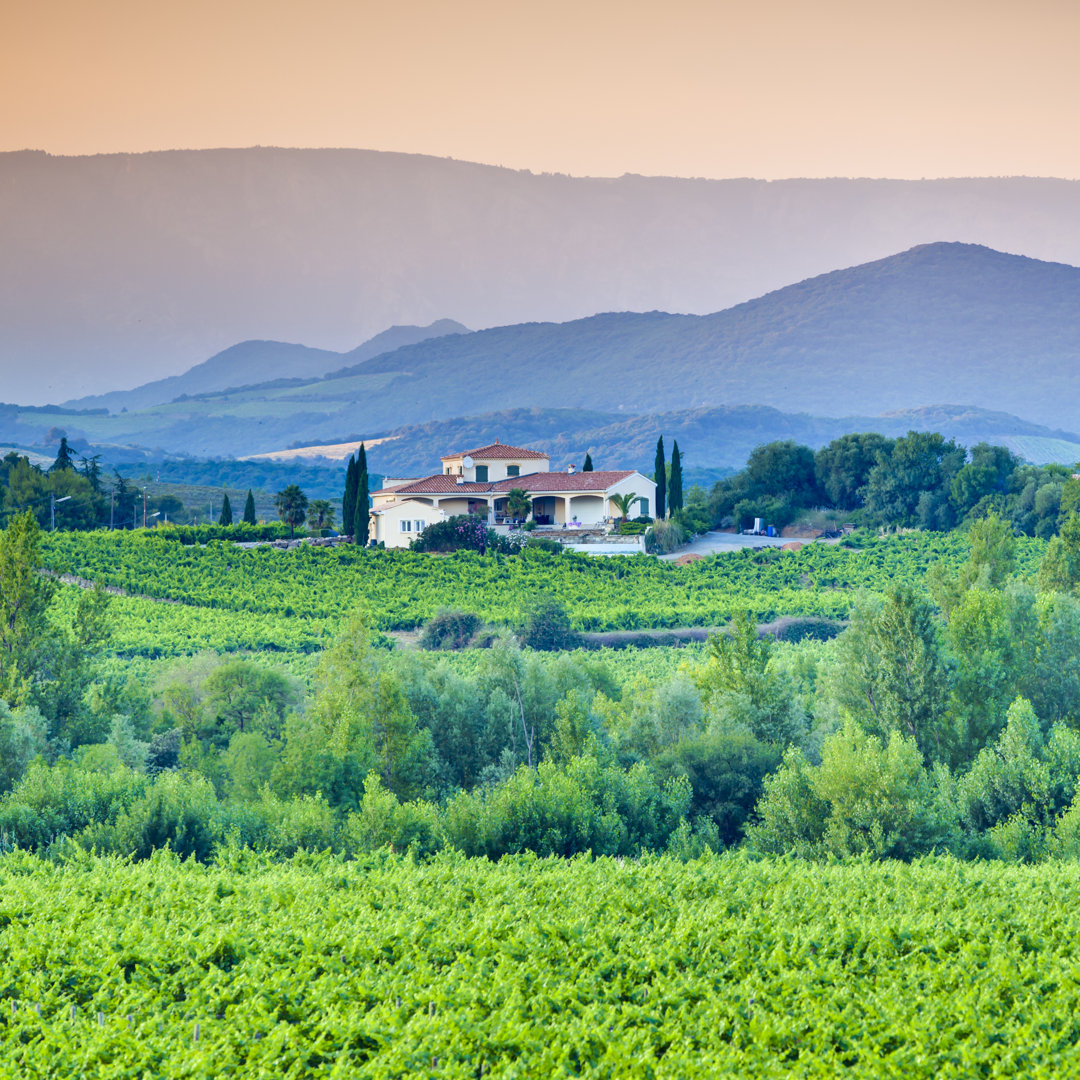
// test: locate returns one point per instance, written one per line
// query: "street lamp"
(53, 500)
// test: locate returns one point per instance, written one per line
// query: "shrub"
(583, 806)
(664, 537)
(176, 809)
(726, 773)
(807, 629)
(49, 803)
(450, 630)
(383, 821)
(543, 543)
(865, 798)
(306, 823)
(547, 627)
(465, 532)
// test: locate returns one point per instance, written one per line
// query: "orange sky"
(767, 88)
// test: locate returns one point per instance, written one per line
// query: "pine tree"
(362, 514)
(587, 467)
(91, 470)
(660, 476)
(226, 510)
(348, 502)
(64, 457)
(249, 508)
(675, 480)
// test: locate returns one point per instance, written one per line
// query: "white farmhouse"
(478, 482)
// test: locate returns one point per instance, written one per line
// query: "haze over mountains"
(252, 362)
(117, 270)
(987, 332)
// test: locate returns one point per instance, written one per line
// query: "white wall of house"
(588, 508)
(488, 470)
(398, 525)
(643, 487)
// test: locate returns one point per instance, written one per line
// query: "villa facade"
(479, 481)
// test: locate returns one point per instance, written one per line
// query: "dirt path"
(112, 590)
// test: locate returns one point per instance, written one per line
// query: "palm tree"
(623, 503)
(517, 503)
(291, 505)
(321, 513)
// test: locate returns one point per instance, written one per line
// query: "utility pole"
(53, 500)
(144, 508)
(112, 509)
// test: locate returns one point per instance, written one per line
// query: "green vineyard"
(227, 598)
(459, 968)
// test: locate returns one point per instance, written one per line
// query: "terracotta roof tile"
(439, 484)
(498, 451)
(561, 481)
(533, 483)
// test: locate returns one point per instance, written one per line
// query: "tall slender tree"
(675, 499)
(361, 512)
(64, 457)
(90, 467)
(249, 508)
(660, 476)
(348, 502)
(226, 510)
(587, 467)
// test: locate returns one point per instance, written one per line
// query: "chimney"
(461, 479)
(570, 469)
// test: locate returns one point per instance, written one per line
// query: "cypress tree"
(660, 476)
(226, 511)
(587, 467)
(363, 515)
(348, 503)
(249, 508)
(675, 480)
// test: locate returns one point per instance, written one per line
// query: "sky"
(770, 88)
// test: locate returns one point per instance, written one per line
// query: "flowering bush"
(466, 532)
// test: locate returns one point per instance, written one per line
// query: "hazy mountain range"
(122, 269)
(999, 335)
(261, 362)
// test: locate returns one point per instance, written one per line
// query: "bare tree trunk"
(529, 736)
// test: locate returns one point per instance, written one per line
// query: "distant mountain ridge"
(123, 268)
(711, 439)
(258, 362)
(940, 322)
